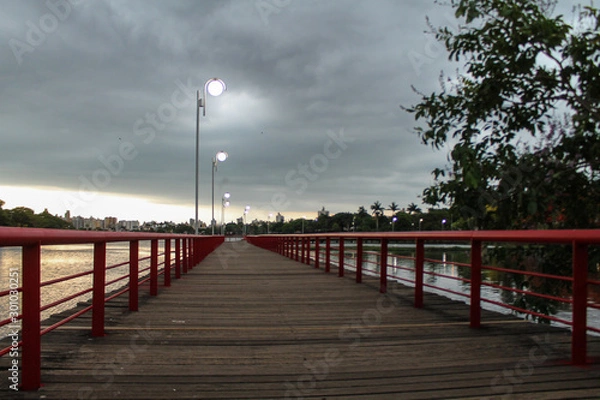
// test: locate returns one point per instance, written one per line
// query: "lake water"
(64, 260)
(460, 254)
(60, 261)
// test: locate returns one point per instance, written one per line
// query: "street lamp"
(246, 211)
(269, 224)
(394, 219)
(219, 157)
(224, 203)
(420, 222)
(214, 87)
(443, 223)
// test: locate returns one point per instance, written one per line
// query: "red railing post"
(327, 254)
(178, 258)
(359, 260)
(302, 250)
(341, 257)
(307, 243)
(153, 267)
(580, 278)
(167, 276)
(383, 266)
(317, 256)
(31, 324)
(134, 265)
(475, 315)
(419, 272)
(185, 255)
(99, 289)
(297, 240)
(192, 253)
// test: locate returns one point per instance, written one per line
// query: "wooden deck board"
(250, 324)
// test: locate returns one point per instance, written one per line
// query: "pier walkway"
(247, 323)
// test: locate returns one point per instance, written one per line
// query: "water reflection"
(64, 260)
(450, 275)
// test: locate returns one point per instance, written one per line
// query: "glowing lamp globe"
(215, 87)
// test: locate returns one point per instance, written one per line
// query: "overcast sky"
(98, 105)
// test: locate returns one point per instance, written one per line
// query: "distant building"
(77, 222)
(279, 218)
(110, 223)
(323, 212)
(129, 225)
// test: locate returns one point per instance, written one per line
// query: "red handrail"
(288, 245)
(189, 251)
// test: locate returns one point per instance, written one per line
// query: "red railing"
(300, 248)
(23, 285)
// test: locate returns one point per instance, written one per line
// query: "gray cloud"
(114, 73)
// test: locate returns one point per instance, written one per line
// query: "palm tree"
(394, 208)
(413, 209)
(377, 212)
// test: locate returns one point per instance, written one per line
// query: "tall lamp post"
(246, 211)
(269, 224)
(224, 203)
(214, 87)
(219, 157)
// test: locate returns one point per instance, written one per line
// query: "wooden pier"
(250, 324)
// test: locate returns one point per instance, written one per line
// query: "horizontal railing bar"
(61, 301)
(528, 312)
(66, 320)
(521, 291)
(530, 273)
(566, 236)
(66, 278)
(445, 290)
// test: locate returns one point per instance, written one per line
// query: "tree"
(413, 209)
(377, 209)
(521, 66)
(22, 217)
(47, 220)
(4, 218)
(394, 208)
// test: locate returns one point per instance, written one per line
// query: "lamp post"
(420, 222)
(214, 87)
(269, 224)
(394, 219)
(219, 157)
(224, 203)
(246, 211)
(443, 223)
